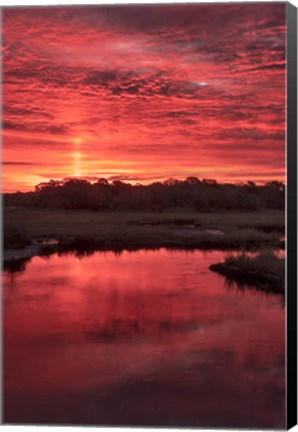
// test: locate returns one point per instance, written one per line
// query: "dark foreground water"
(144, 338)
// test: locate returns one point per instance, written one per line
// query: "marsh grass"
(15, 236)
(265, 270)
(123, 230)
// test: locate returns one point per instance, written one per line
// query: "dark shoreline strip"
(264, 281)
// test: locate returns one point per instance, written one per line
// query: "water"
(143, 338)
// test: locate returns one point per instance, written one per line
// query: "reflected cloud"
(103, 329)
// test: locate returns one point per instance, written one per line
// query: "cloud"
(34, 127)
(253, 134)
(274, 66)
(99, 77)
(131, 178)
(21, 112)
(17, 163)
(176, 87)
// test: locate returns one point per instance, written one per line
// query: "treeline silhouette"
(199, 195)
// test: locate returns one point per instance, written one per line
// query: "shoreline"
(88, 244)
(15, 260)
(11, 255)
(264, 272)
(30, 233)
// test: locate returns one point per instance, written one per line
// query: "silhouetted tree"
(192, 193)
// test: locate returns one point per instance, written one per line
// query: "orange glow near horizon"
(143, 93)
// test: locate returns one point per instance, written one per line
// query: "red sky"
(143, 93)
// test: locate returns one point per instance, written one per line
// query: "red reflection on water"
(150, 337)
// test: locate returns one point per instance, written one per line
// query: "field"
(123, 230)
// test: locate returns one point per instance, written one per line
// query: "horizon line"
(110, 180)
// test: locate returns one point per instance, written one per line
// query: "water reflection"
(141, 338)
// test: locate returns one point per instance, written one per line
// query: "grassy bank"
(121, 230)
(15, 236)
(265, 270)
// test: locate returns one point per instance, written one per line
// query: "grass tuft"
(264, 270)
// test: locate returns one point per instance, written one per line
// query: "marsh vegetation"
(264, 270)
(124, 230)
(191, 214)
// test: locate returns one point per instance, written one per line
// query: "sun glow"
(77, 140)
(77, 156)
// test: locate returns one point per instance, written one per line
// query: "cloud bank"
(144, 92)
